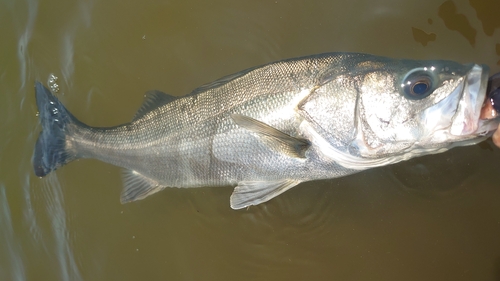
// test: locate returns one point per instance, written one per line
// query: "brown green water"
(432, 218)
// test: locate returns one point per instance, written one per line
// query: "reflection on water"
(461, 23)
(431, 218)
(423, 37)
(457, 21)
(441, 176)
(486, 11)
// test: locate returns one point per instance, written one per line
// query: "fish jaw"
(473, 93)
(457, 117)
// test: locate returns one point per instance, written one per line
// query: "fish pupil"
(420, 88)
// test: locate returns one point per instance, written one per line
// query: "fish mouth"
(491, 106)
(472, 96)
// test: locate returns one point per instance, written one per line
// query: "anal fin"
(137, 187)
(249, 193)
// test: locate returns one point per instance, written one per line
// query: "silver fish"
(268, 128)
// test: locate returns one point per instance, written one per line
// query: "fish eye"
(417, 85)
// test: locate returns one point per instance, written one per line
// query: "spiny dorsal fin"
(137, 186)
(249, 193)
(152, 100)
(284, 143)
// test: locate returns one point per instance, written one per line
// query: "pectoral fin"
(249, 193)
(137, 186)
(294, 147)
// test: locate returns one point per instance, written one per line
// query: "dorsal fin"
(219, 82)
(152, 100)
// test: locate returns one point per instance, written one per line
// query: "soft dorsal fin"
(249, 193)
(284, 143)
(221, 81)
(152, 100)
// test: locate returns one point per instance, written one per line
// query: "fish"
(269, 128)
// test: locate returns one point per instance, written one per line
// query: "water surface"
(431, 218)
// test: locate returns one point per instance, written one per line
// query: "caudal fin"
(50, 149)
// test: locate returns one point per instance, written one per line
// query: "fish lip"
(466, 120)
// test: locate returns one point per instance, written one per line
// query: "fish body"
(269, 128)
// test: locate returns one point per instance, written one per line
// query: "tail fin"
(50, 150)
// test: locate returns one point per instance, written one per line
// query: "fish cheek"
(386, 120)
(378, 137)
(380, 105)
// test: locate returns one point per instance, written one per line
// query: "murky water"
(432, 218)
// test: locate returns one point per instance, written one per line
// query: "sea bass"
(267, 129)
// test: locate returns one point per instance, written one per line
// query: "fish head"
(405, 108)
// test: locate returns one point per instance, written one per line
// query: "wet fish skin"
(269, 128)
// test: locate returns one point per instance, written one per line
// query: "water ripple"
(25, 37)
(55, 210)
(9, 243)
